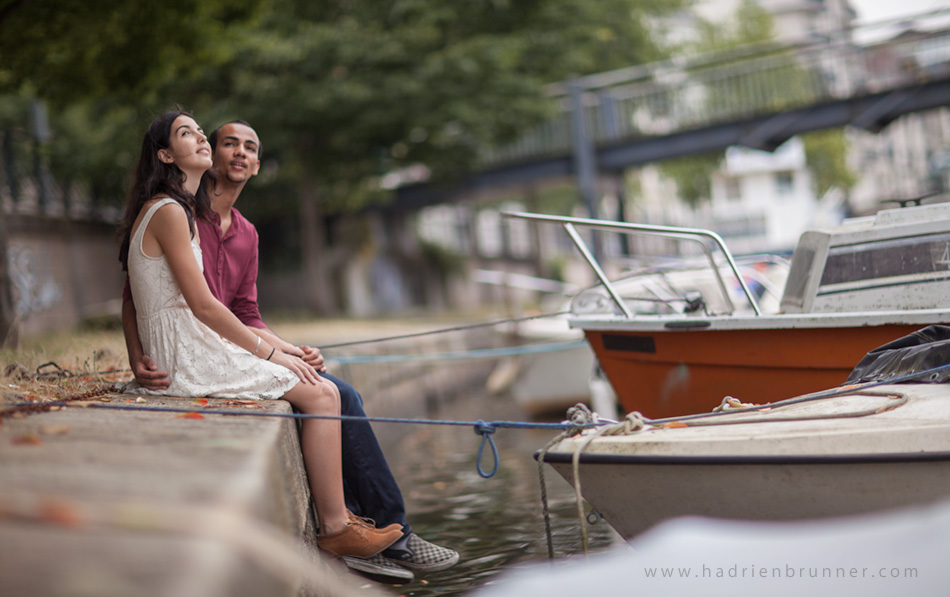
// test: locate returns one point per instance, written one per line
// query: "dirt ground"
(72, 362)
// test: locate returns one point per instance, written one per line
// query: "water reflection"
(494, 523)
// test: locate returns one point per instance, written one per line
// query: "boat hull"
(843, 452)
(743, 489)
(553, 382)
(672, 372)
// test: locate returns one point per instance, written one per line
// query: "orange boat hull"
(681, 372)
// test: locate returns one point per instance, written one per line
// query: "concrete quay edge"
(97, 502)
(121, 502)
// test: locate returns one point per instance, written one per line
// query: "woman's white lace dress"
(199, 361)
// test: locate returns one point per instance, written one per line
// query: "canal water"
(496, 524)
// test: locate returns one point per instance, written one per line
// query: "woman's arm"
(169, 227)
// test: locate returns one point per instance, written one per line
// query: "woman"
(204, 347)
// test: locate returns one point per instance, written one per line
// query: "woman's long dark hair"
(154, 177)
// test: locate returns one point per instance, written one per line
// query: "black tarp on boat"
(927, 348)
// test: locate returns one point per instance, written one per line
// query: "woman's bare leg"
(320, 443)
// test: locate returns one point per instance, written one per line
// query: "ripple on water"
(495, 524)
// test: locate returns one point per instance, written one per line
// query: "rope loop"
(52, 371)
(580, 415)
(486, 430)
(730, 403)
(630, 424)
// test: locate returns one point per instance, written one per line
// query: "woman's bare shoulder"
(173, 212)
(172, 209)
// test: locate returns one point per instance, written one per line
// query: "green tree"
(341, 91)
(779, 87)
(752, 24)
(826, 152)
(352, 90)
(99, 65)
(108, 48)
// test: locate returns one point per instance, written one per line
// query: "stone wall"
(63, 272)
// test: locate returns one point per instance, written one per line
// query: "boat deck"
(909, 419)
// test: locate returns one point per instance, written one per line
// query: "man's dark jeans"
(368, 484)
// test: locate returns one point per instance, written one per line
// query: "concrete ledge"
(115, 502)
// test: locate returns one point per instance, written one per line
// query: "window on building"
(519, 238)
(733, 189)
(489, 231)
(784, 183)
(750, 226)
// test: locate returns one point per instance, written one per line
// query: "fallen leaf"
(253, 406)
(190, 416)
(673, 425)
(240, 402)
(141, 400)
(61, 513)
(28, 440)
(54, 429)
(200, 401)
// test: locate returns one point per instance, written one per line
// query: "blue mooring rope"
(482, 428)
(480, 353)
(486, 430)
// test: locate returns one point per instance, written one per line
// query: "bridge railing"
(681, 94)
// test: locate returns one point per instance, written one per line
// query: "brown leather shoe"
(369, 522)
(360, 540)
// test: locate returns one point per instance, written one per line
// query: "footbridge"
(756, 96)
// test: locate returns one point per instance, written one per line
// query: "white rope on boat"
(635, 422)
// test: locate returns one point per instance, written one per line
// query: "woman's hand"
(304, 370)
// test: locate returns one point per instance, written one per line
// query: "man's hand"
(313, 357)
(148, 375)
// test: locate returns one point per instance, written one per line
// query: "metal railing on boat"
(698, 235)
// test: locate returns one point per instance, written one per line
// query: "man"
(229, 247)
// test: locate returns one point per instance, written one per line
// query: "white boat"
(882, 555)
(842, 452)
(560, 370)
(849, 289)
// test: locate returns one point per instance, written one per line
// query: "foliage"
(108, 48)
(346, 90)
(752, 24)
(352, 90)
(826, 153)
(102, 66)
(446, 262)
(340, 91)
(779, 88)
(691, 174)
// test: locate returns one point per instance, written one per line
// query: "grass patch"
(55, 366)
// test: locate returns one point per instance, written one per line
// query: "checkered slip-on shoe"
(418, 554)
(380, 569)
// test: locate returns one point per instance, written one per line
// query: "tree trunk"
(9, 334)
(317, 291)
